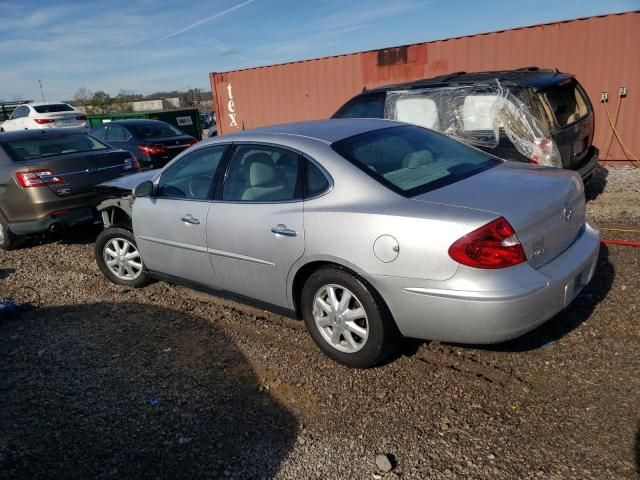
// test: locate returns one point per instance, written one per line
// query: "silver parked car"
(367, 229)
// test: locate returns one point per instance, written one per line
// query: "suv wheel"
(8, 239)
(118, 257)
(346, 319)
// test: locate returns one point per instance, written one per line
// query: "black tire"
(8, 239)
(115, 233)
(382, 333)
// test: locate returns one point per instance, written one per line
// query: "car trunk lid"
(546, 207)
(79, 172)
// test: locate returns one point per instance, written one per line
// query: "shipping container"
(187, 120)
(601, 51)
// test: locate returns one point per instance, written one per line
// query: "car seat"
(264, 183)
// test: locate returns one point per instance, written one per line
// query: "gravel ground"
(106, 382)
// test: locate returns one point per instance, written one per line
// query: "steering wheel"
(198, 186)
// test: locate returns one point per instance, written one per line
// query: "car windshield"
(411, 160)
(51, 145)
(154, 130)
(53, 108)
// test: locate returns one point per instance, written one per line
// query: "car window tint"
(262, 174)
(191, 177)
(154, 130)
(52, 145)
(371, 106)
(54, 107)
(411, 160)
(100, 132)
(317, 182)
(117, 134)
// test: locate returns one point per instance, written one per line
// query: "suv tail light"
(192, 141)
(542, 150)
(493, 245)
(38, 178)
(152, 149)
(42, 121)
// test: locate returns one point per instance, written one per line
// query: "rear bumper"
(74, 216)
(530, 298)
(589, 165)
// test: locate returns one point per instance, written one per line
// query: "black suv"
(556, 100)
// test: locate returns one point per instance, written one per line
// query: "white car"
(32, 116)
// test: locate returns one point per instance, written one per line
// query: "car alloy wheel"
(340, 318)
(122, 258)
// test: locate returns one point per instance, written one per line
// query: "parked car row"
(49, 174)
(368, 229)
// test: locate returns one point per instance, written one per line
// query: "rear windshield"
(154, 130)
(51, 146)
(411, 160)
(567, 103)
(53, 108)
(368, 106)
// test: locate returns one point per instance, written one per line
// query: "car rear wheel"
(118, 257)
(8, 239)
(346, 319)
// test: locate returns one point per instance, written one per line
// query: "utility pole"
(41, 90)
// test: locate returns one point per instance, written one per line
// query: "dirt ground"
(106, 382)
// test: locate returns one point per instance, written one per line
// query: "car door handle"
(283, 230)
(188, 218)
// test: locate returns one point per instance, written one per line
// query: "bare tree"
(82, 96)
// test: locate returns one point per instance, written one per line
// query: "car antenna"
(243, 125)
(364, 88)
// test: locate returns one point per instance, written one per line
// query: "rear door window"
(567, 103)
(117, 134)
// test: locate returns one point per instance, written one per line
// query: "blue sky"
(151, 45)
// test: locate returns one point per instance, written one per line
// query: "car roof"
(532, 77)
(132, 121)
(32, 133)
(328, 131)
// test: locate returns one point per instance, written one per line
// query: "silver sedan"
(367, 229)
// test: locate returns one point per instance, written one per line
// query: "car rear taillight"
(82, 118)
(131, 163)
(192, 141)
(42, 121)
(493, 245)
(38, 178)
(152, 149)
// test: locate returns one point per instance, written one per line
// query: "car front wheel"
(118, 257)
(346, 319)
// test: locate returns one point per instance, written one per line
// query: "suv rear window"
(411, 160)
(53, 108)
(51, 145)
(567, 103)
(366, 106)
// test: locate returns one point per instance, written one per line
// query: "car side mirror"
(145, 189)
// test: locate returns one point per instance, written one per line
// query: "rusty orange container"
(603, 52)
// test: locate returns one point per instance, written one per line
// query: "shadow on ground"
(79, 234)
(637, 450)
(597, 183)
(129, 391)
